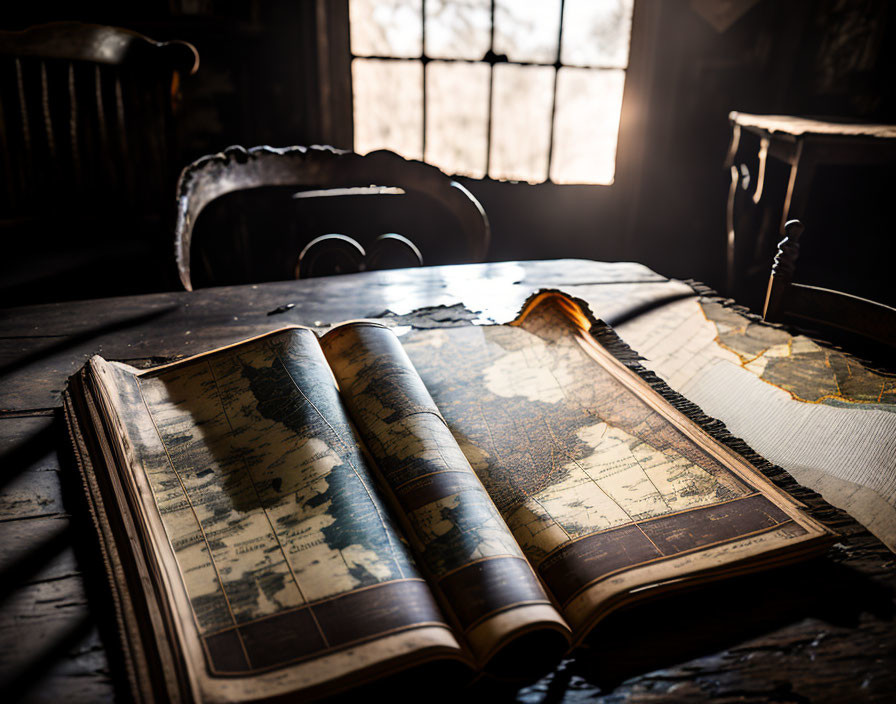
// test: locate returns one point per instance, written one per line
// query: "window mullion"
(557, 66)
(491, 81)
(503, 60)
(423, 62)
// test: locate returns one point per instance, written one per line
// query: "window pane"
(386, 27)
(527, 30)
(457, 117)
(457, 29)
(596, 32)
(586, 125)
(521, 122)
(388, 106)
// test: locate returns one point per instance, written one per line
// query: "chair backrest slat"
(73, 123)
(830, 311)
(860, 316)
(23, 111)
(8, 176)
(105, 167)
(45, 107)
(128, 165)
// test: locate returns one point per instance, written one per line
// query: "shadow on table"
(671, 630)
(46, 629)
(72, 341)
(626, 315)
(23, 561)
(28, 450)
(704, 621)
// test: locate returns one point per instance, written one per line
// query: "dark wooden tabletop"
(823, 631)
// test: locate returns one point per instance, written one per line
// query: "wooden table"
(820, 632)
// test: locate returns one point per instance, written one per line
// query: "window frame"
(491, 59)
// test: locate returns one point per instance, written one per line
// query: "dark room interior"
(692, 193)
(278, 73)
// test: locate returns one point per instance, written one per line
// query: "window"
(525, 90)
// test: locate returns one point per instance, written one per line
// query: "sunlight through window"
(510, 89)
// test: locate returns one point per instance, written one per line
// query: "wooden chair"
(446, 207)
(86, 135)
(838, 314)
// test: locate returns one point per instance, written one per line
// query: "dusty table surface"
(822, 631)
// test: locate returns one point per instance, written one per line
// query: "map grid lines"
(632, 521)
(198, 523)
(264, 510)
(347, 459)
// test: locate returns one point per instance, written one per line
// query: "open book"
(297, 513)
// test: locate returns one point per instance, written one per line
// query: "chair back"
(317, 171)
(838, 314)
(85, 116)
(87, 160)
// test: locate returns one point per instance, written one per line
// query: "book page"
(463, 543)
(281, 559)
(606, 487)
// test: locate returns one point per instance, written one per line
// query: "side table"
(756, 213)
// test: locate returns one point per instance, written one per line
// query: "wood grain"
(822, 632)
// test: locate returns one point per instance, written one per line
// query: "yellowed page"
(281, 565)
(826, 418)
(606, 487)
(472, 560)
